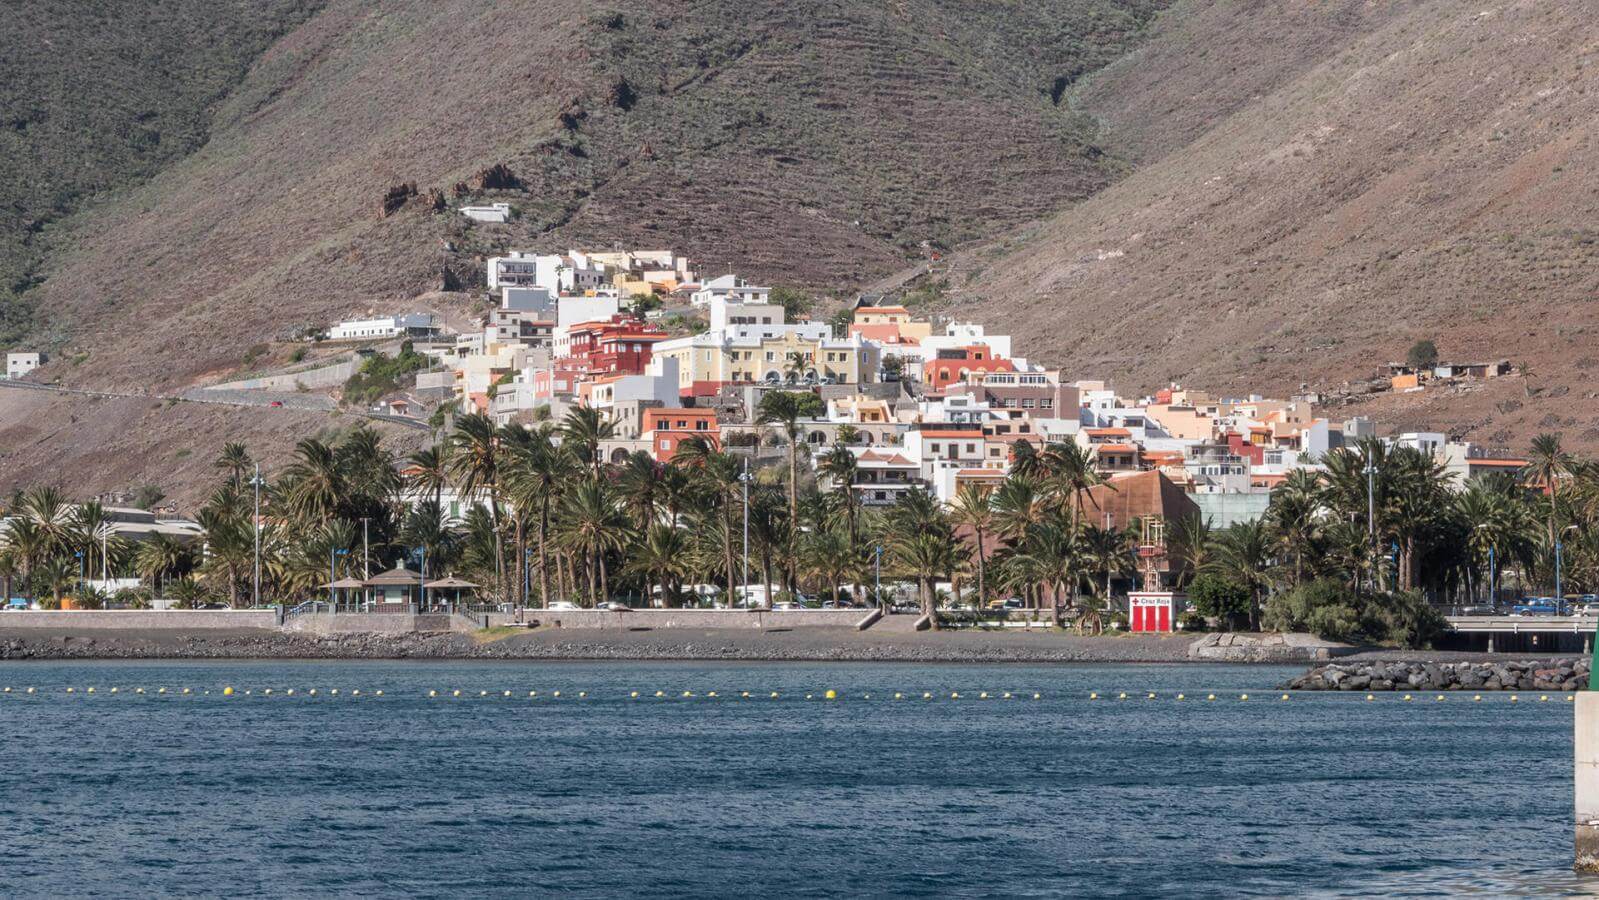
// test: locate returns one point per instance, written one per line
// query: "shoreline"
(664, 645)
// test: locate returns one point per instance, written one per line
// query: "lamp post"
(366, 571)
(1559, 546)
(79, 555)
(1371, 513)
(744, 484)
(255, 482)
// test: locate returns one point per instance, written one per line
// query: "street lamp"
(79, 555)
(1371, 512)
(256, 483)
(744, 484)
(1560, 594)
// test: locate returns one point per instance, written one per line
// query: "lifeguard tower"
(1153, 609)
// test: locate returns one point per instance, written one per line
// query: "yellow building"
(803, 355)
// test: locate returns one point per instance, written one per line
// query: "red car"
(277, 402)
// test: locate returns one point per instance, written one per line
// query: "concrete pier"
(1586, 753)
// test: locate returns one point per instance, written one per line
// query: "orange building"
(667, 427)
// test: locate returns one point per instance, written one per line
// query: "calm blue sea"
(612, 796)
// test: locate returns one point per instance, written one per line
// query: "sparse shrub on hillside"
(381, 375)
(794, 301)
(1423, 354)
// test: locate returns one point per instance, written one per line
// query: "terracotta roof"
(1107, 432)
(398, 575)
(1503, 463)
(1116, 448)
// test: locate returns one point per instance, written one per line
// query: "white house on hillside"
(410, 325)
(729, 287)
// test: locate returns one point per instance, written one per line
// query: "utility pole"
(256, 483)
(1371, 514)
(744, 482)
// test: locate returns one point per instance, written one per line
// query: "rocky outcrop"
(496, 178)
(395, 198)
(1525, 675)
(1231, 647)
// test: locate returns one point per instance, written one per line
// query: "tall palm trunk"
(605, 591)
(982, 570)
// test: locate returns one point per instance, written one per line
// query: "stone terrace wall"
(134, 619)
(690, 618)
(374, 623)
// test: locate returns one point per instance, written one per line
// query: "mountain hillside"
(96, 96)
(818, 145)
(1323, 184)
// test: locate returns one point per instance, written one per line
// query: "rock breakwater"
(1524, 675)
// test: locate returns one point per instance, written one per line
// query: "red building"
(620, 345)
(956, 365)
(667, 427)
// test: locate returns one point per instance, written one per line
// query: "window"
(666, 444)
(1027, 403)
(971, 448)
(1046, 403)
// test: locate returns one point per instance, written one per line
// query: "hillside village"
(666, 354)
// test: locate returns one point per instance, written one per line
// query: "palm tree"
(786, 408)
(584, 428)
(1546, 466)
(1243, 555)
(537, 476)
(313, 485)
(55, 573)
(661, 558)
(234, 460)
(1189, 543)
(159, 557)
(594, 526)
(827, 555)
(973, 508)
(925, 555)
(475, 463)
(1294, 513)
(430, 471)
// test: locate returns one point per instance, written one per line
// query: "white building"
(729, 287)
(966, 334)
(494, 212)
(21, 363)
(556, 273)
(410, 325)
(527, 299)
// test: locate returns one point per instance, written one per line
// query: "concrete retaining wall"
(132, 619)
(368, 623)
(321, 377)
(690, 618)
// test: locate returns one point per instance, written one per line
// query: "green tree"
(1423, 354)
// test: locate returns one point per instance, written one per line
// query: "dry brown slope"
(1432, 177)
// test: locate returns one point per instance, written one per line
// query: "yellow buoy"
(1370, 697)
(713, 694)
(1544, 698)
(1007, 696)
(1093, 696)
(507, 694)
(897, 695)
(634, 694)
(831, 694)
(246, 693)
(267, 691)
(70, 690)
(1570, 697)
(745, 695)
(1038, 696)
(1179, 696)
(866, 696)
(1512, 698)
(1210, 696)
(113, 690)
(1243, 696)
(186, 690)
(1440, 696)
(1151, 695)
(158, 690)
(8, 689)
(685, 693)
(954, 695)
(807, 696)
(1122, 696)
(30, 690)
(227, 692)
(774, 695)
(660, 693)
(1476, 698)
(1285, 696)
(379, 693)
(482, 693)
(984, 695)
(334, 692)
(433, 693)
(457, 693)
(91, 690)
(927, 695)
(141, 690)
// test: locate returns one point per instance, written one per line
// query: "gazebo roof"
(450, 581)
(399, 575)
(346, 583)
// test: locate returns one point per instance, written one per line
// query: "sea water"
(893, 788)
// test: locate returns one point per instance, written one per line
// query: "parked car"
(276, 403)
(787, 605)
(1477, 611)
(614, 606)
(1539, 606)
(1007, 603)
(562, 605)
